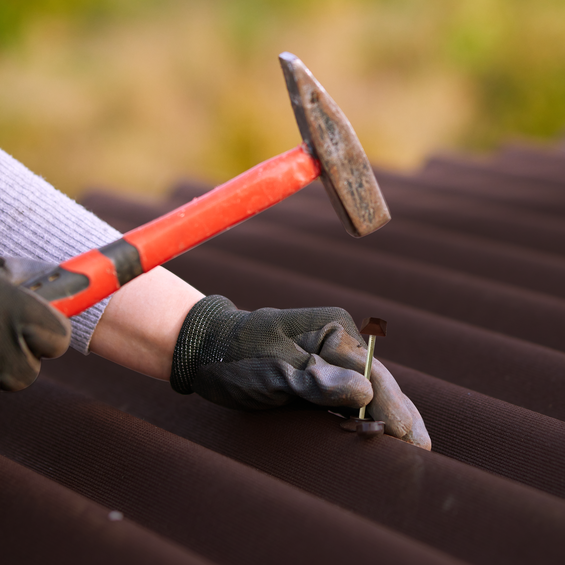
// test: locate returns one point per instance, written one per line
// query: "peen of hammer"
(330, 150)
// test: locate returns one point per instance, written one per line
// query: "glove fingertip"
(360, 392)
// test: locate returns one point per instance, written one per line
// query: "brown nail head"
(373, 326)
(368, 430)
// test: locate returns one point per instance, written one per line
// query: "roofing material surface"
(469, 274)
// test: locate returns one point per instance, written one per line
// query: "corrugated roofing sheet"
(469, 274)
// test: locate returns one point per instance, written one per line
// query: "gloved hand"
(29, 327)
(263, 359)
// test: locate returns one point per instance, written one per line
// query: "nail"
(373, 327)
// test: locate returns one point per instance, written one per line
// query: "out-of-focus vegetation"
(133, 94)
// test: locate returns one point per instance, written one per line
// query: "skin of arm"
(142, 321)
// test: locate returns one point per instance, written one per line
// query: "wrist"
(140, 325)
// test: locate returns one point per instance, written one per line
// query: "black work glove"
(263, 359)
(29, 327)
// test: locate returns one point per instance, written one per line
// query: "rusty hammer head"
(346, 172)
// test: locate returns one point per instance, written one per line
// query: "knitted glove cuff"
(204, 338)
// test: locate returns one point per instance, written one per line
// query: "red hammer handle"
(84, 280)
(224, 207)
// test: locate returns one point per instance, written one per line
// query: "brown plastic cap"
(373, 326)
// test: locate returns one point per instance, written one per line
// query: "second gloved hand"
(263, 359)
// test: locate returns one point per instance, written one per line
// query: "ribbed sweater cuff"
(39, 222)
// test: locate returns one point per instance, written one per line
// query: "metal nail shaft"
(372, 327)
(368, 366)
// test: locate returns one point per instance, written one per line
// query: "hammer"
(330, 150)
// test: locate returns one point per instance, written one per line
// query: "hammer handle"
(84, 280)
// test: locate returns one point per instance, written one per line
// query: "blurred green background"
(133, 94)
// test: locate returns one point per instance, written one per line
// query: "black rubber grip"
(126, 260)
(57, 283)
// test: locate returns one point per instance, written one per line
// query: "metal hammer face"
(346, 172)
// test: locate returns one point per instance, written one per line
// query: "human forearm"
(141, 323)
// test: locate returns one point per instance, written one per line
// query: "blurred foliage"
(513, 55)
(16, 14)
(134, 93)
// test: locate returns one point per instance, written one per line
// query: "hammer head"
(346, 172)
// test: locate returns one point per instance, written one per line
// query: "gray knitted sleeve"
(39, 222)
